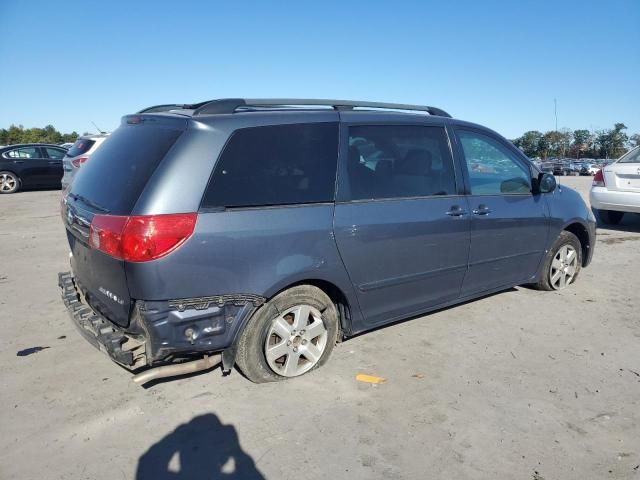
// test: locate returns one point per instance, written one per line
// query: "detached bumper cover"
(102, 334)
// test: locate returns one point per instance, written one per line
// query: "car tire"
(554, 263)
(283, 338)
(610, 217)
(9, 182)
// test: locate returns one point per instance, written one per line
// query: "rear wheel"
(9, 182)
(290, 335)
(562, 263)
(610, 217)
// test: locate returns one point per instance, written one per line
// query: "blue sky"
(498, 63)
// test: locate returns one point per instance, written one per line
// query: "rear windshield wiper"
(89, 203)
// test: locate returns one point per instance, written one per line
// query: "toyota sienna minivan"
(259, 233)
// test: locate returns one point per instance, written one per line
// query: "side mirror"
(546, 183)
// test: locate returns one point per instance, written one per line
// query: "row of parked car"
(42, 165)
(567, 167)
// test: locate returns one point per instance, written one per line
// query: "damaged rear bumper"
(162, 332)
(123, 348)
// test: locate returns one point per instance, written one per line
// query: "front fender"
(569, 211)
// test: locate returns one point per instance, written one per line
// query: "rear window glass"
(82, 145)
(631, 157)
(117, 172)
(276, 165)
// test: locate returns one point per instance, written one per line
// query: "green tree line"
(607, 143)
(49, 134)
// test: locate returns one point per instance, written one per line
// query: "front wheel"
(290, 335)
(562, 263)
(610, 217)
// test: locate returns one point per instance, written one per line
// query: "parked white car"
(616, 188)
(79, 154)
(593, 169)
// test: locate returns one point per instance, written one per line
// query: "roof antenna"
(99, 129)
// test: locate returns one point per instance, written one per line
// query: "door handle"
(18, 162)
(456, 211)
(482, 210)
(54, 162)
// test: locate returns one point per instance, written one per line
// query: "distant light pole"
(555, 111)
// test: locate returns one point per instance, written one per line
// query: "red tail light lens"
(598, 179)
(140, 238)
(76, 162)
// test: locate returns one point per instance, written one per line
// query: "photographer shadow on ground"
(202, 449)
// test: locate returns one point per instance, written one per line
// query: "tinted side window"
(493, 169)
(54, 153)
(24, 152)
(396, 161)
(276, 165)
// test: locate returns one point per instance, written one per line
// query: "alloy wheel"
(563, 267)
(8, 183)
(296, 341)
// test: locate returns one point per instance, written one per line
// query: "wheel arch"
(347, 308)
(8, 170)
(581, 231)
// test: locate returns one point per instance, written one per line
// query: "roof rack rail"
(171, 106)
(230, 105)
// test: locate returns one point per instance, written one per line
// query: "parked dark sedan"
(30, 165)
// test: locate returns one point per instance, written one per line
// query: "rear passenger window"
(276, 165)
(396, 161)
(54, 153)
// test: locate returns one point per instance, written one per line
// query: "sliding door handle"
(482, 210)
(456, 211)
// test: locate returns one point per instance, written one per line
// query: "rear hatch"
(110, 185)
(624, 175)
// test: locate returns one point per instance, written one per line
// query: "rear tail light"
(140, 238)
(76, 162)
(598, 179)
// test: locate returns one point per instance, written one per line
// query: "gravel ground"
(522, 384)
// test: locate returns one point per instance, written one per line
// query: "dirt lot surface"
(522, 384)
